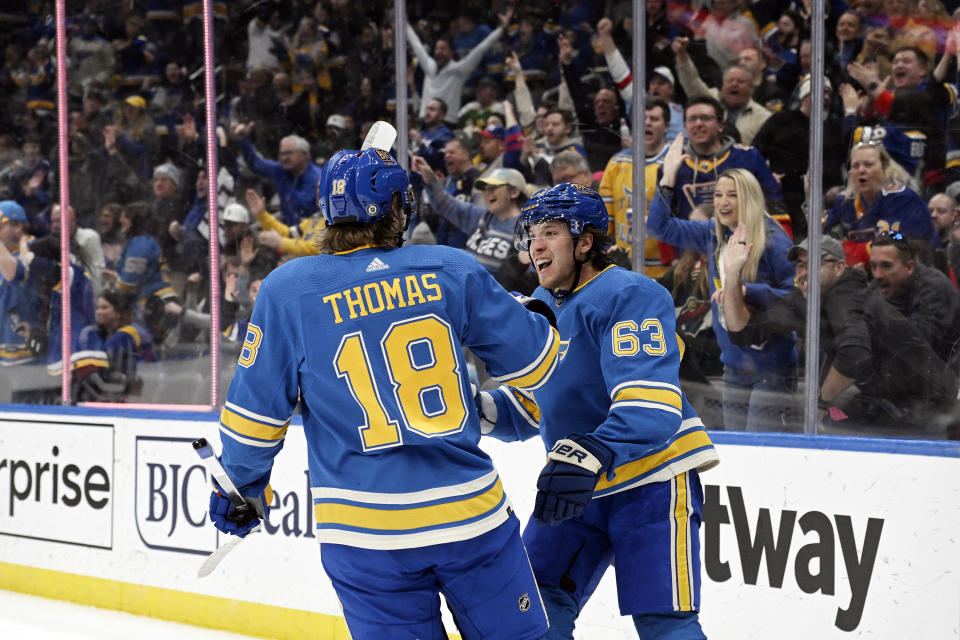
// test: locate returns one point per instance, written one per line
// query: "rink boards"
(803, 537)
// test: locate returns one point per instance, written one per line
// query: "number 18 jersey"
(370, 343)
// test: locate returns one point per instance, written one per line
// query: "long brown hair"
(385, 232)
(685, 266)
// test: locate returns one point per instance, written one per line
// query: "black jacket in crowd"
(865, 338)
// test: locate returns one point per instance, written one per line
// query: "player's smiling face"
(551, 252)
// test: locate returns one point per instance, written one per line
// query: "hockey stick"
(381, 136)
(210, 461)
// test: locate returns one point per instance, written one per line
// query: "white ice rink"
(24, 617)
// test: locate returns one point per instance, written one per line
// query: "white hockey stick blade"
(213, 560)
(381, 136)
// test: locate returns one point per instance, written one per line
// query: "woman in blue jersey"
(116, 341)
(768, 275)
(142, 271)
(877, 198)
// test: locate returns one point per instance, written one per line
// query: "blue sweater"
(775, 276)
(298, 196)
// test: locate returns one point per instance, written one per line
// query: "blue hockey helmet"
(358, 186)
(574, 204)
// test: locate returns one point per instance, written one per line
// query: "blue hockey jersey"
(617, 379)
(143, 269)
(896, 208)
(19, 304)
(370, 343)
(81, 314)
(697, 177)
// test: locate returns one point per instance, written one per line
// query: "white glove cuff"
(572, 453)
(488, 415)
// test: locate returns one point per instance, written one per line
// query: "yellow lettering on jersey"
(393, 291)
(430, 284)
(251, 345)
(332, 301)
(414, 294)
(625, 342)
(354, 302)
(385, 295)
(373, 306)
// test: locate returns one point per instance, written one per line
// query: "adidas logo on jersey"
(377, 265)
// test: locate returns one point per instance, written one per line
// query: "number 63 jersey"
(370, 343)
(617, 379)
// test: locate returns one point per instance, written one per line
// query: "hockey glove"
(238, 521)
(486, 409)
(536, 306)
(566, 484)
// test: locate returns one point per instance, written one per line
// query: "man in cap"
(490, 157)
(18, 302)
(489, 227)
(863, 340)
(475, 114)
(661, 87)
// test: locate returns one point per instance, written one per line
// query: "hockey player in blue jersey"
(368, 338)
(625, 446)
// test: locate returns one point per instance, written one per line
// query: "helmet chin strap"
(561, 294)
(407, 214)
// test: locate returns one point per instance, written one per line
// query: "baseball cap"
(235, 212)
(170, 172)
(136, 101)
(666, 73)
(338, 121)
(804, 89)
(828, 245)
(494, 131)
(500, 177)
(487, 81)
(11, 211)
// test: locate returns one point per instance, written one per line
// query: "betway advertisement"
(796, 543)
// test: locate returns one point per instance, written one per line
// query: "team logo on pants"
(524, 602)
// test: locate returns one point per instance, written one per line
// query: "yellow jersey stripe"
(535, 377)
(684, 444)
(132, 332)
(682, 544)
(528, 405)
(15, 353)
(246, 427)
(88, 362)
(327, 513)
(663, 396)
